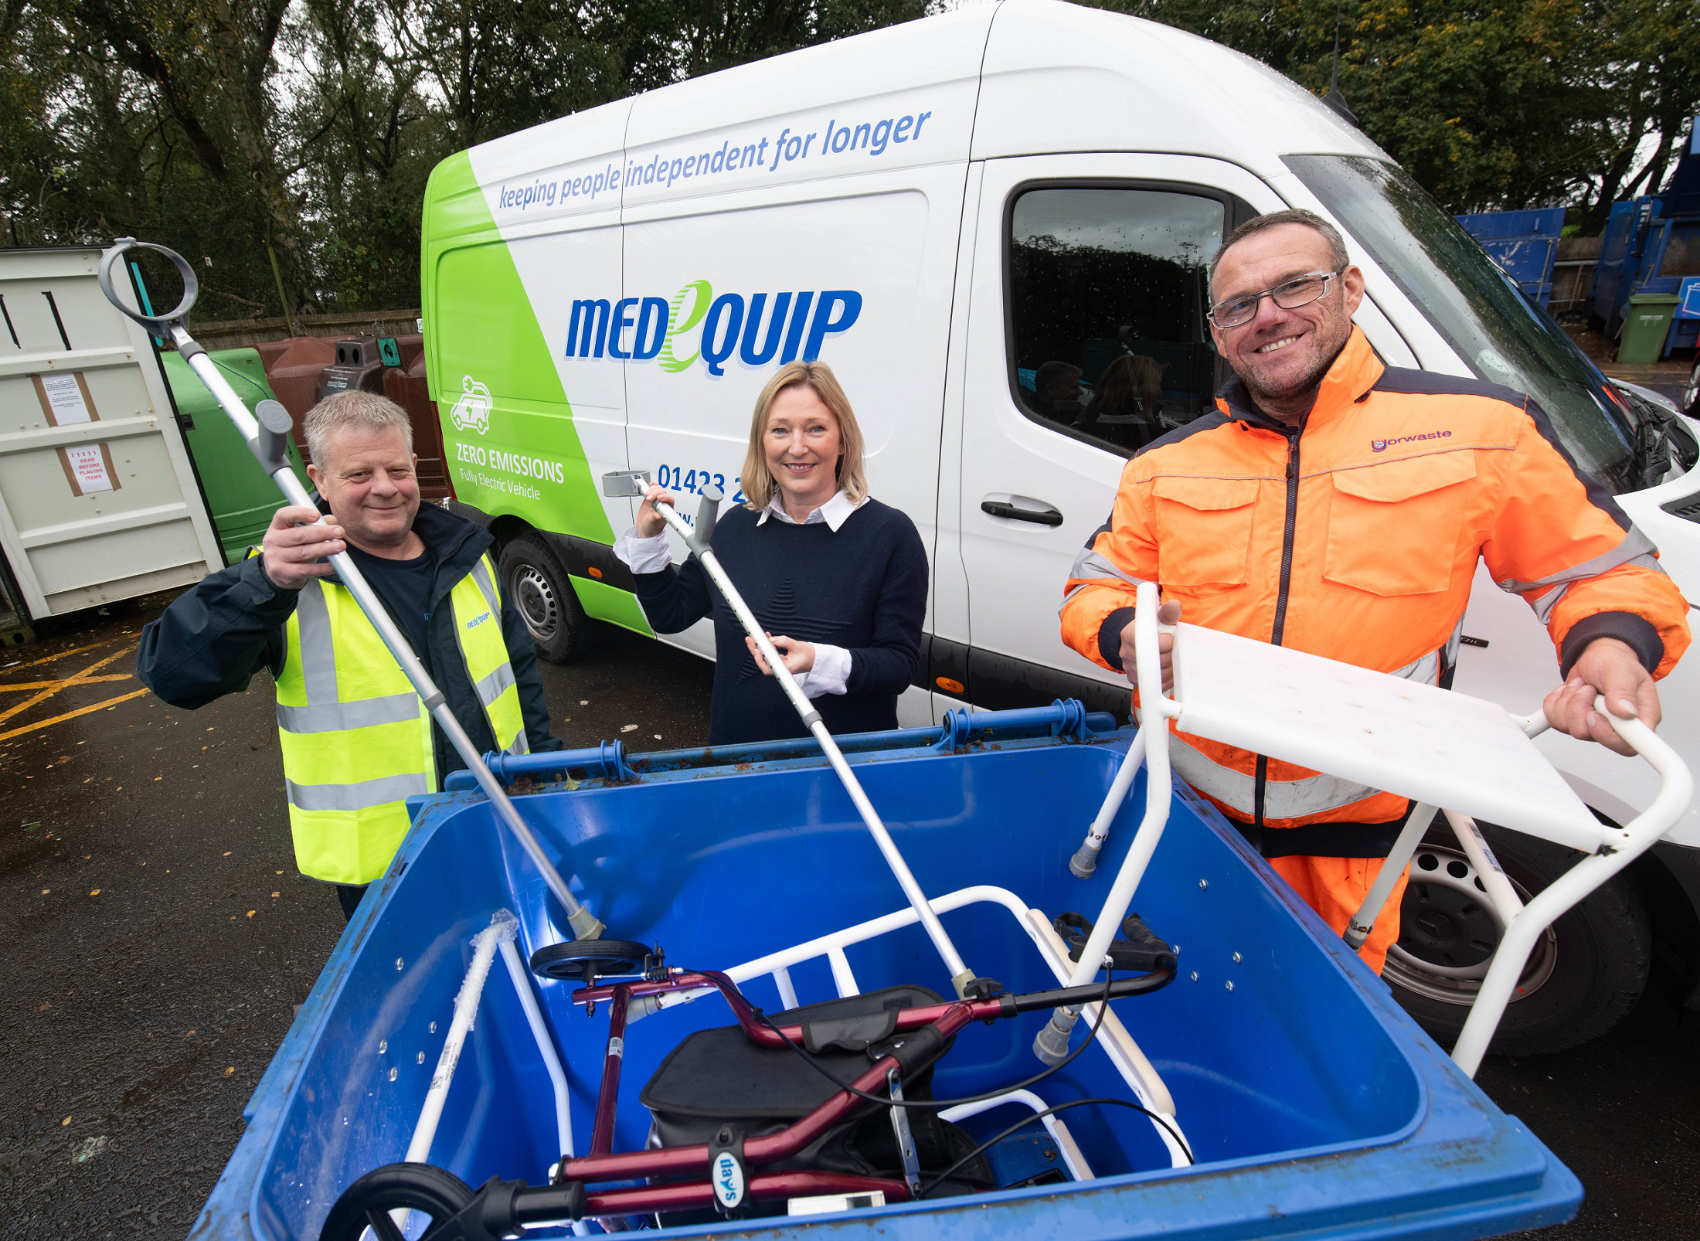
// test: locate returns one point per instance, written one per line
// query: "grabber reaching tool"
(266, 431)
(630, 483)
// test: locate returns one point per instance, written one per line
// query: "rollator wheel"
(586, 960)
(397, 1186)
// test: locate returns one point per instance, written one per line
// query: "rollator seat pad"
(719, 1073)
(719, 1077)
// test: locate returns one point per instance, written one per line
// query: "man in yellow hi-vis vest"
(356, 739)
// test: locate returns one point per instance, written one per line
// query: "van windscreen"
(1502, 336)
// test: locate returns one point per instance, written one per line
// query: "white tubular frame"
(1611, 850)
(1085, 860)
(484, 945)
(497, 937)
(1150, 747)
(1067, 1147)
(1124, 1053)
(1399, 857)
(960, 974)
(1618, 848)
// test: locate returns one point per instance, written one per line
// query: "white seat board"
(1419, 741)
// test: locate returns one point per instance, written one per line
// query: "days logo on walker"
(728, 1178)
(471, 410)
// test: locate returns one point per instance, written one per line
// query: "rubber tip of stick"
(1355, 936)
(1084, 862)
(585, 924)
(1051, 1043)
(960, 983)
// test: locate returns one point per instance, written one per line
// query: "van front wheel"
(534, 581)
(1586, 972)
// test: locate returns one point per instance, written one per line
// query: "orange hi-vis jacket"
(1356, 537)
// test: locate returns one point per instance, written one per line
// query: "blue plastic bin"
(1314, 1106)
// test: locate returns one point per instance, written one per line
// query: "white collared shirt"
(830, 673)
(835, 512)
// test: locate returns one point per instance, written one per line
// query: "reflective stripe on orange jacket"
(1357, 538)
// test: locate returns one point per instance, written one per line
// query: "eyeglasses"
(1288, 295)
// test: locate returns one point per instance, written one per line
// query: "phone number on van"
(674, 478)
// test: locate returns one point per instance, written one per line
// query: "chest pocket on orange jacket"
(1394, 528)
(1204, 530)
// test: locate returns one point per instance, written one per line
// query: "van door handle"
(1043, 514)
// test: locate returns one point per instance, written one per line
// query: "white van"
(952, 212)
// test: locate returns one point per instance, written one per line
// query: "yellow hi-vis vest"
(356, 738)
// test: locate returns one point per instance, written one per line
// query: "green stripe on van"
(525, 459)
(609, 603)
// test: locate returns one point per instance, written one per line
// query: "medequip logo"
(758, 329)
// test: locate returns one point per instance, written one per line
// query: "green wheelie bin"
(1645, 327)
(240, 498)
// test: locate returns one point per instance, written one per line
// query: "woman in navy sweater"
(838, 579)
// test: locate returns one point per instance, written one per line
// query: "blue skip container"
(1293, 1098)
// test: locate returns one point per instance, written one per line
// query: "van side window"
(1107, 299)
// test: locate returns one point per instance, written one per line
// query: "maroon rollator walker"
(830, 1099)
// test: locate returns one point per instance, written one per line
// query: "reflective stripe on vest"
(478, 622)
(356, 738)
(1282, 799)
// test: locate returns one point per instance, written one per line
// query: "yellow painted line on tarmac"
(48, 659)
(44, 690)
(23, 685)
(76, 678)
(71, 715)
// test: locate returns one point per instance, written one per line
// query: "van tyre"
(533, 580)
(1586, 972)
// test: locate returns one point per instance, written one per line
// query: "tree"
(156, 121)
(496, 66)
(1488, 103)
(368, 137)
(209, 64)
(1650, 51)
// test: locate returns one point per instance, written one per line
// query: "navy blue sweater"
(863, 587)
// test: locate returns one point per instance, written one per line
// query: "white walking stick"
(266, 431)
(629, 483)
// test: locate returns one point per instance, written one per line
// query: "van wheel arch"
(542, 593)
(1586, 972)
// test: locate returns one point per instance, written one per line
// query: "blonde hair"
(352, 408)
(758, 483)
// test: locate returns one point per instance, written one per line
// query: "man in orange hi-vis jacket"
(1337, 505)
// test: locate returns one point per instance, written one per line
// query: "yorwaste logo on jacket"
(1384, 445)
(758, 329)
